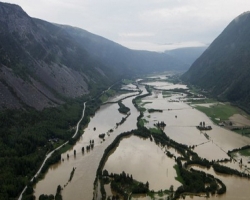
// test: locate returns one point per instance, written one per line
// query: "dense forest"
(26, 137)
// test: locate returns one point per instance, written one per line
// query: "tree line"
(122, 108)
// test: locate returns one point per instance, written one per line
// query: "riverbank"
(180, 121)
(103, 121)
(55, 155)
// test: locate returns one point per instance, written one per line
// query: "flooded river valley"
(142, 158)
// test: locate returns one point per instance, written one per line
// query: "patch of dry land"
(240, 120)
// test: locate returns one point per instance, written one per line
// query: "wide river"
(142, 158)
(81, 186)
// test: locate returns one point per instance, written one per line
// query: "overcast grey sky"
(154, 25)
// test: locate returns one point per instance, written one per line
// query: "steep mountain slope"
(41, 63)
(187, 55)
(224, 68)
(121, 58)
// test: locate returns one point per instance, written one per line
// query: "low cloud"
(142, 24)
(134, 35)
(140, 45)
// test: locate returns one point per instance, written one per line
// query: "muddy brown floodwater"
(182, 119)
(81, 186)
(237, 188)
(145, 161)
(142, 158)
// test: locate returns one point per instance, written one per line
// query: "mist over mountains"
(42, 63)
(186, 55)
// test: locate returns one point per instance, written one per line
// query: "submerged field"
(154, 156)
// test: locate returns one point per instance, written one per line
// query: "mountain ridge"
(187, 54)
(224, 68)
(123, 56)
(43, 64)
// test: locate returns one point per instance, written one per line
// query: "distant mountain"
(224, 68)
(122, 58)
(186, 55)
(41, 63)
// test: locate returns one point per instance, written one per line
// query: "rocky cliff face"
(41, 63)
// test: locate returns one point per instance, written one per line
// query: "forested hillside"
(46, 73)
(41, 63)
(224, 68)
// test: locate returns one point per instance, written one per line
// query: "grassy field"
(245, 132)
(104, 98)
(127, 81)
(65, 148)
(142, 122)
(200, 101)
(139, 103)
(245, 152)
(178, 178)
(156, 195)
(221, 111)
(194, 90)
(165, 92)
(107, 94)
(166, 96)
(155, 130)
(144, 103)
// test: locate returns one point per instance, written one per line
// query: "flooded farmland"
(237, 188)
(142, 158)
(81, 186)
